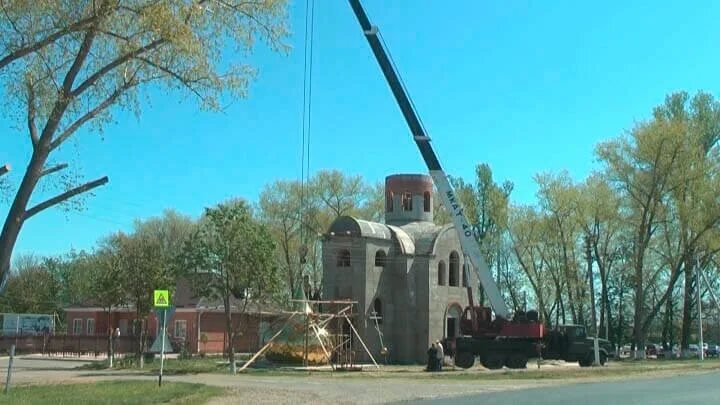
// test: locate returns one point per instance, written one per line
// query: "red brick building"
(198, 323)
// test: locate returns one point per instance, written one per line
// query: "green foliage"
(233, 254)
(231, 257)
(297, 214)
(32, 288)
(65, 65)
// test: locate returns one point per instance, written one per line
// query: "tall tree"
(693, 211)
(283, 206)
(485, 204)
(297, 214)
(340, 194)
(105, 290)
(558, 197)
(32, 288)
(141, 270)
(642, 165)
(601, 220)
(233, 256)
(66, 64)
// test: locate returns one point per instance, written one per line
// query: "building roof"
(424, 234)
(406, 242)
(350, 226)
(418, 237)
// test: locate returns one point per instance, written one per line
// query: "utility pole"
(588, 251)
(701, 348)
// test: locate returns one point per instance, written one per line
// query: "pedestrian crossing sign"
(161, 299)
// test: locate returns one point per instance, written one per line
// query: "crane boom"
(467, 240)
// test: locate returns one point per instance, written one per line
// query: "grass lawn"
(112, 392)
(171, 367)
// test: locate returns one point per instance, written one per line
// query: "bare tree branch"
(184, 81)
(90, 115)
(64, 95)
(239, 8)
(64, 196)
(4, 169)
(78, 62)
(53, 169)
(35, 46)
(112, 65)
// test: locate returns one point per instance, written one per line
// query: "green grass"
(112, 392)
(171, 366)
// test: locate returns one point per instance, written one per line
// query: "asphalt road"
(681, 389)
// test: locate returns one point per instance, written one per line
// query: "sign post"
(161, 299)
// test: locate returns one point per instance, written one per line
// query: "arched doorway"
(452, 321)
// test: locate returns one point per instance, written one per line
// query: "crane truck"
(504, 339)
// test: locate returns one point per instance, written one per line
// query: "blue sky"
(525, 86)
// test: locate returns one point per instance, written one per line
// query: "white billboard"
(27, 324)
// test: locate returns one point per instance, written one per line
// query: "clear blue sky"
(524, 86)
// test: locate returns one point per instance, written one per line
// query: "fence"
(67, 345)
(61, 344)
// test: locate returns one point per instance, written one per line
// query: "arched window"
(377, 310)
(343, 258)
(441, 273)
(452, 321)
(407, 201)
(426, 201)
(389, 202)
(380, 258)
(465, 274)
(454, 269)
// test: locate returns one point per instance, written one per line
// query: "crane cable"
(306, 123)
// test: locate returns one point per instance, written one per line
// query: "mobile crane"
(505, 340)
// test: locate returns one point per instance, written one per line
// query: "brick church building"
(406, 273)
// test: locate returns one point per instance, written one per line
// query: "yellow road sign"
(161, 298)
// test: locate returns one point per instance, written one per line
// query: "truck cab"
(571, 343)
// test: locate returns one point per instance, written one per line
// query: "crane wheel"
(464, 359)
(517, 360)
(492, 361)
(587, 361)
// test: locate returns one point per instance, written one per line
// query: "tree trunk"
(141, 337)
(15, 218)
(667, 329)
(230, 335)
(111, 333)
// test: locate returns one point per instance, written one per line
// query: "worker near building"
(432, 358)
(440, 355)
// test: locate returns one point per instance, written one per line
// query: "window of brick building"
(377, 309)
(454, 269)
(407, 201)
(90, 327)
(77, 326)
(441, 273)
(180, 330)
(380, 258)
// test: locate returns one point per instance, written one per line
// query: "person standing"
(432, 358)
(440, 355)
